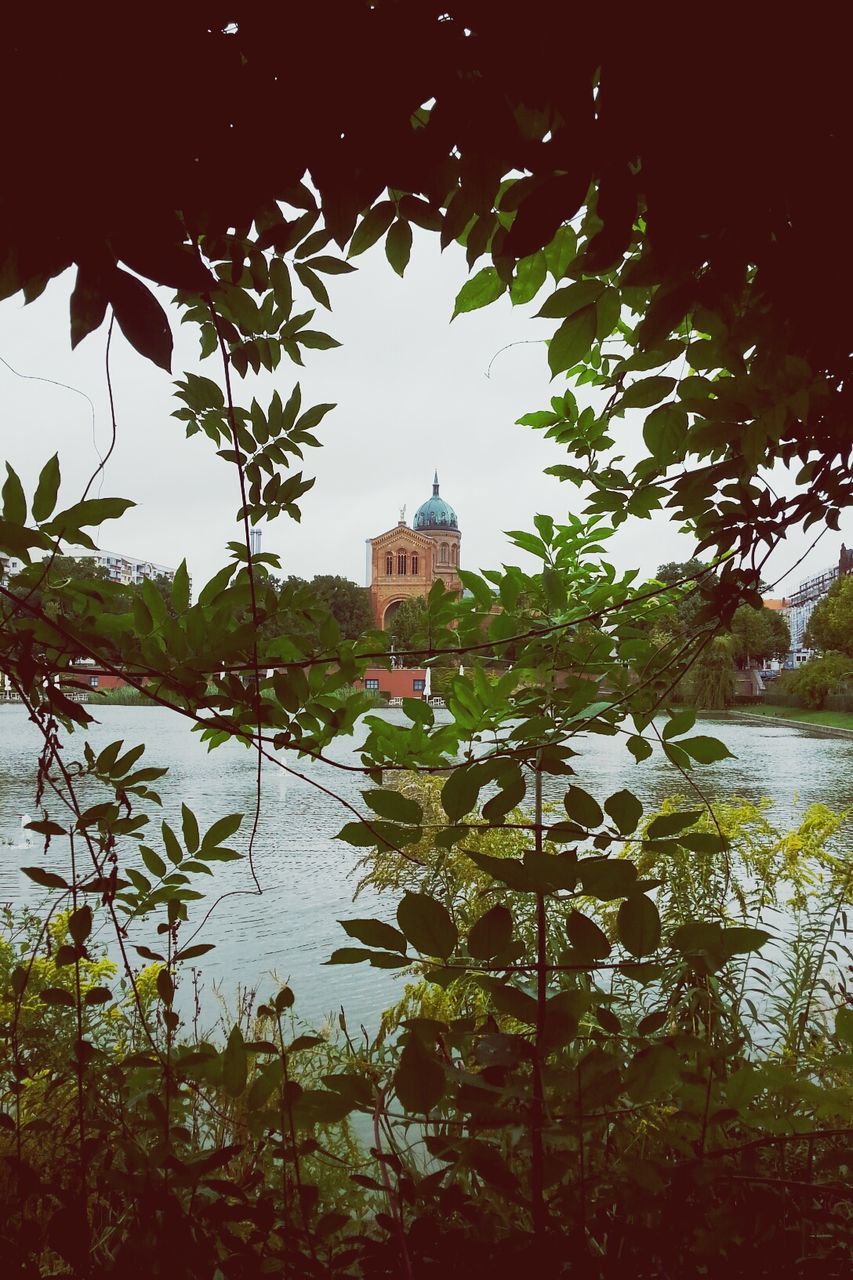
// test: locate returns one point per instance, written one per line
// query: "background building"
(127, 569)
(404, 562)
(802, 603)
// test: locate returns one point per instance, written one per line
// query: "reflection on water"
(305, 873)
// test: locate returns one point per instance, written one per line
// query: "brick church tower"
(404, 562)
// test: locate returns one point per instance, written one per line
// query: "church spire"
(435, 484)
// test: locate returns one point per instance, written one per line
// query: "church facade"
(404, 562)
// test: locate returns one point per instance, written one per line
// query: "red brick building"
(399, 682)
(404, 562)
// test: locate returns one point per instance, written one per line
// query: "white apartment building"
(128, 570)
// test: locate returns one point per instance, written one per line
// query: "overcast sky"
(412, 393)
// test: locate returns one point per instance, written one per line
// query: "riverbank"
(837, 721)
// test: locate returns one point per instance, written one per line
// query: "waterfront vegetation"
(627, 1044)
(803, 715)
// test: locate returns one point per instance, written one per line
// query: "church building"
(404, 562)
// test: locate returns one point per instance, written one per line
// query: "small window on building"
(93, 682)
(401, 562)
(418, 686)
(454, 554)
(443, 556)
(414, 562)
(389, 564)
(371, 684)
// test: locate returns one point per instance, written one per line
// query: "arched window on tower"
(401, 562)
(414, 563)
(389, 564)
(443, 556)
(454, 554)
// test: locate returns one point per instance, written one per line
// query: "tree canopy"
(831, 625)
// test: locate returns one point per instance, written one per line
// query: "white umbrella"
(428, 683)
(461, 669)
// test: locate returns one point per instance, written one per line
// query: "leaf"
(652, 1072)
(91, 512)
(80, 924)
(639, 747)
(316, 340)
(561, 251)
(394, 806)
(419, 1078)
(56, 995)
(481, 290)
(47, 489)
(652, 1022)
(427, 925)
(646, 392)
(189, 826)
(332, 266)
(706, 750)
(491, 934)
(98, 995)
(664, 431)
(738, 939)
(638, 923)
(235, 1063)
(587, 939)
(572, 341)
(153, 862)
(573, 298)
(511, 794)
(607, 878)
(375, 933)
(372, 227)
(625, 810)
(191, 953)
(583, 807)
(529, 277)
(844, 1024)
(46, 879)
(14, 502)
(181, 588)
(88, 305)
(681, 722)
(398, 245)
(221, 830)
(141, 318)
(461, 791)
(669, 824)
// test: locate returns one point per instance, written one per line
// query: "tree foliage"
(831, 625)
(601, 1100)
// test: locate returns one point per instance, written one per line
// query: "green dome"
(435, 513)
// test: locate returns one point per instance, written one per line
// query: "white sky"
(412, 395)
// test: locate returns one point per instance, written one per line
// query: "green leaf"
(664, 431)
(316, 340)
(173, 849)
(394, 806)
(181, 588)
(141, 318)
(57, 995)
(587, 939)
(607, 878)
(152, 861)
(573, 298)
(372, 227)
(483, 288)
(512, 791)
(639, 747)
(427, 925)
(461, 791)
(561, 251)
(80, 924)
(491, 934)
(738, 939)
(583, 807)
(235, 1064)
(375, 933)
(47, 879)
(419, 1078)
(47, 489)
(98, 995)
(221, 830)
(14, 502)
(529, 277)
(844, 1024)
(572, 341)
(91, 512)
(191, 953)
(625, 810)
(189, 826)
(652, 1022)
(652, 1073)
(646, 392)
(669, 824)
(398, 245)
(706, 750)
(681, 722)
(638, 923)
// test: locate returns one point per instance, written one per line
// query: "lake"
(306, 874)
